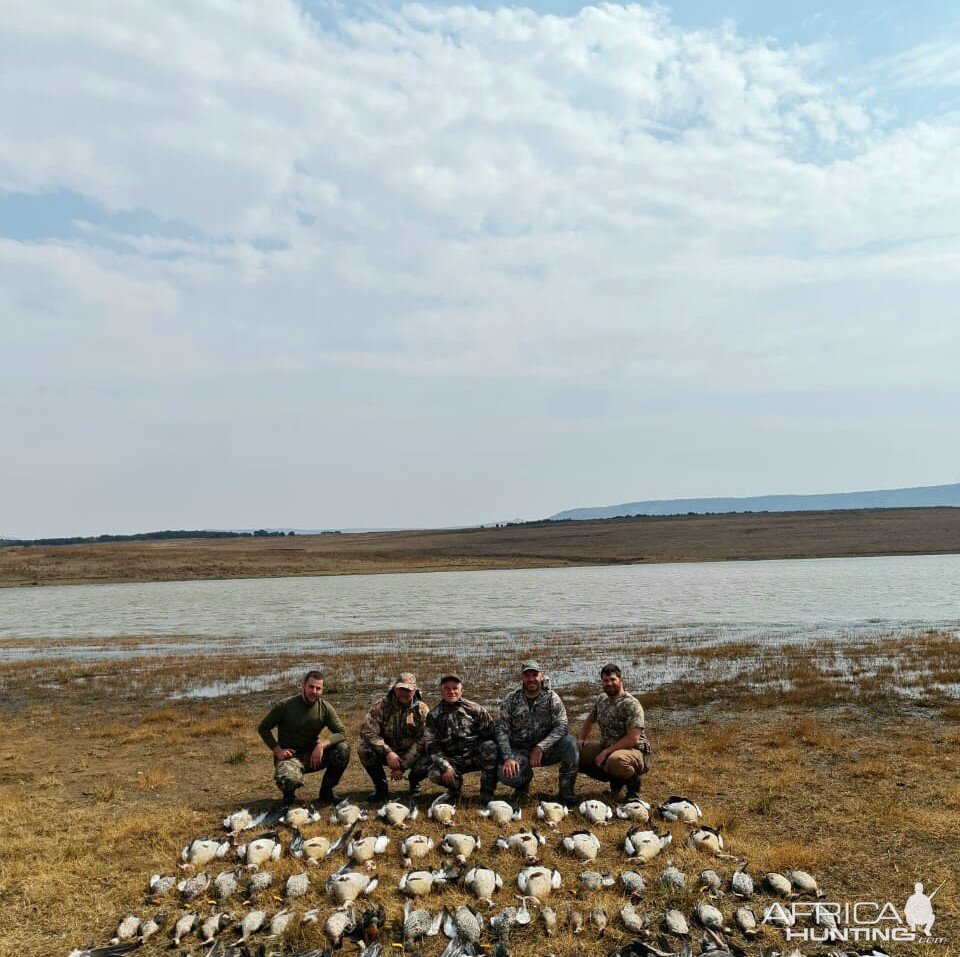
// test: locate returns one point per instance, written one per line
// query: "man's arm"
(371, 731)
(417, 748)
(587, 726)
(265, 730)
(432, 746)
(336, 732)
(559, 723)
(502, 731)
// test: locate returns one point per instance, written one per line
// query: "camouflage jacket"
(616, 716)
(389, 726)
(456, 731)
(525, 724)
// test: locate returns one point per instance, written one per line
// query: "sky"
(323, 265)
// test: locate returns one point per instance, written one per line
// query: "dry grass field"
(627, 541)
(840, 759)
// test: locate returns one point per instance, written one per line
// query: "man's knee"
(288, 773)
(522, 777)
(369, 756)
(568, 752)
(625, 764)
(487, 755)
(337, 755)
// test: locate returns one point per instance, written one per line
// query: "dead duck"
(184, 925)
(741, 883)
(575, 920)
(675, 923)
(126, 930)
(538, 882)
(215, 924)
(709, 916)
(677, 808)
(483, 883)
(258, 883)
(711, 881)
(202, 851)
(298, 885)
(396, 813)
(338, 925)
(467, 925)
(281, 921)
(419, 923)
(584, 845)
(645, 845)
(347, 813)
(633, 883)
(672, 876)
(598, 919)
(633, 920)
(548, 917)
(551, 812)
(804, 883)
(592, 881)
(160, 885)
(596, 812)
(777, 883)
(461, 846)
(415, 848)
(500, 812)
(252, 922)
(192, 887)
(746, 921)
(526, 843)
(225, 884)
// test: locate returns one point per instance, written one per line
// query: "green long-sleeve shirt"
(299, 724)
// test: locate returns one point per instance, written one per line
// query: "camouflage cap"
(451, 676)
(530, 666)
(406, 679)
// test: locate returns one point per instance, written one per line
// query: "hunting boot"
(289, 795)
(633, 788)
(380, 790)
(521, 795)
(566, 788)
(336, 758)
(488, 784)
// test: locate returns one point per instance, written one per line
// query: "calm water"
(788, 598)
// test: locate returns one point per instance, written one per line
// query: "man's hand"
(316, 757)
(396, 775)
(393, 762)
(536, 756)
(511, 768)
(449, 777)
(602, 757)
(281, 754)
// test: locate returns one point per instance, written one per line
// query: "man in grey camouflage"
(392, 737)
(459, 738)
(623, 752)
(532, 731)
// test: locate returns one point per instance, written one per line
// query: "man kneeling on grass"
(299, 751)
(623, 752)
(392, 737)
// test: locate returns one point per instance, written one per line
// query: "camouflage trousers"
(483, 758)
(289, 774)
(565, 753)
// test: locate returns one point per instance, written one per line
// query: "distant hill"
(926, 497)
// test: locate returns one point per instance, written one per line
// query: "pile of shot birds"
(463, 893)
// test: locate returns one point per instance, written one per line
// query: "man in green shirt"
(299, 750)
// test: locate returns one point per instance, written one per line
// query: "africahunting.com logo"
(859, 921)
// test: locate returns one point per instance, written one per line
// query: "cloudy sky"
(338, 265)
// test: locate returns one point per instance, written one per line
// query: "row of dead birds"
(465, 924)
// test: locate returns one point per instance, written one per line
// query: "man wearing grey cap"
(392, 735)
(460, 738)
(532, 731)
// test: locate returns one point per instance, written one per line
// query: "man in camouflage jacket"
(460, 737)
(623, 752)
(392, 737)
(532, 731)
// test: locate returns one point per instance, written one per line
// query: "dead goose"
(460, 845)
(596, 812)
(280, 922)
(584, 845)
(483, 883)
(251, 923)
(538, 881)
(711, 881)
(575, 920)
(300, 816)
(347, 886)
(298, 885)
(225, 884)
(161, 884)
(126, 930)
(347, 813)
(551, 812)
(804, 883)
(598, 917)
(259, 851)
(396, 814)
(707, 839)
(633, 883)
(311, 848)
(202, 851)
(524, 916)
(741, 883)
(363, 849)
(680, 809)
(645, 845)
(193, 887)
(526, 843)
(415, 848)
(214, 925)
(419, 883)
(184, 925)
(778, 884)
(633, 920)
(746, 921)
(442, 811)
(672, 876)
(500, 812)
(675, 923)
(591, 881)
(634, 810)
(548, 917)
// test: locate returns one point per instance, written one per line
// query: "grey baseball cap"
(530, 666)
